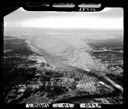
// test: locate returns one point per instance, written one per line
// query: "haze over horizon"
(109, 20)
(60, 34)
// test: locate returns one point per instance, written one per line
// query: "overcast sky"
(107, 19)
(107, 23)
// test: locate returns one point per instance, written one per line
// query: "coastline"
(52, 60)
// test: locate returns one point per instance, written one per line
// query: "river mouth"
(63, 52)
(75, 84)
(55, 57)
(52, 59)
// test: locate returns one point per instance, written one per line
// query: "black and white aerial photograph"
(63, 57)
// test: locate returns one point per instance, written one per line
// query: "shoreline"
(52, 60)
